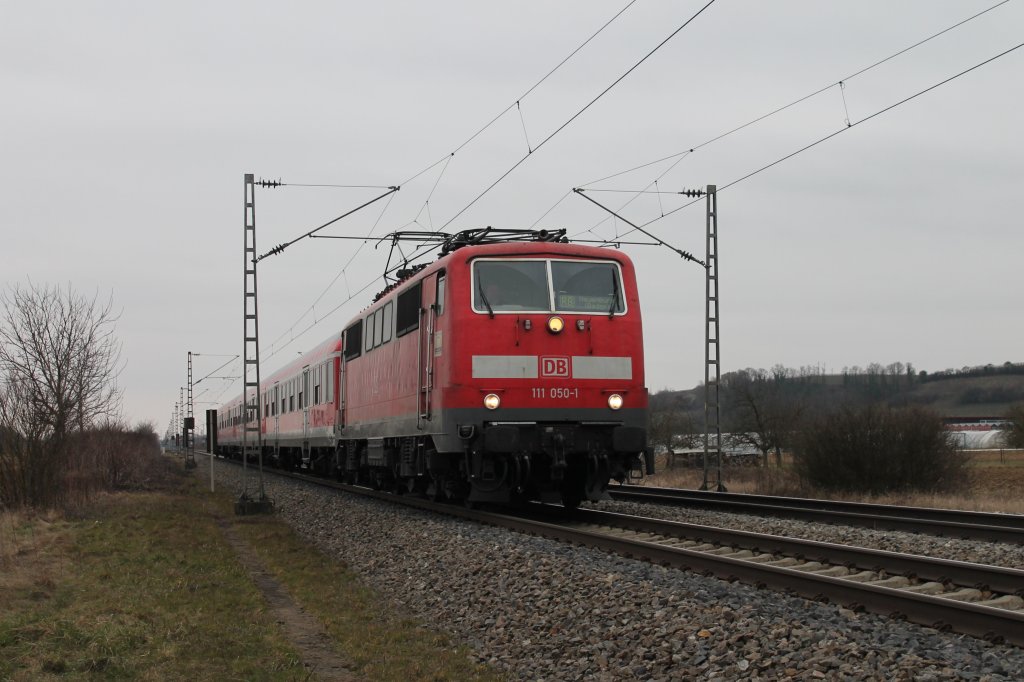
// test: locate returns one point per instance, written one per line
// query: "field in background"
(996, 483)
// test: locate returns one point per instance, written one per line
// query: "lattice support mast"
(252, 435)
(181, 419)
(712, 357)
(190, 423)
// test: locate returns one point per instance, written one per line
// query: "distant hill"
(969, 397)
(969, 393)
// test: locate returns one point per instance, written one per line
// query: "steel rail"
(987, 622)
(995, 578)
(987, 526)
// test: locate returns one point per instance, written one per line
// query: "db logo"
(554, 367)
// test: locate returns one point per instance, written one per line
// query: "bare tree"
(672, 429)
(59, 362)
(763, 413)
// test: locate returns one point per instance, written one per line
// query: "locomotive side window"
(587, 287)
(407, 317)
(439, 299)
(368, 332)
(388, 320)
(512, 285)
(378, 327)
(353, 339)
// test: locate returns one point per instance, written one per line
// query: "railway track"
(969, 525)
(974, 599)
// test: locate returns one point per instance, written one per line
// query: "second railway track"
(988, 526)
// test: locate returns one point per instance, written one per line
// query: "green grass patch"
(142, 587)
(145, 587)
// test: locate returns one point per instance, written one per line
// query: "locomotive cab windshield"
(546, 286)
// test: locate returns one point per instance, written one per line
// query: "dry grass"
(996, 482)
(33, 553)
(144, 586)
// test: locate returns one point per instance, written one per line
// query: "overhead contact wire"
(447, 158)
(578, 113)
(804, 98)
(844, 129)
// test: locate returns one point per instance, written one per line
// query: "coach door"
(275, 409)
(304, 400)
(433, 298)
(339, 387)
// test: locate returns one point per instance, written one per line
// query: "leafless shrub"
(59, 362)
(1015, 431)
(112, 457)
(879, 450)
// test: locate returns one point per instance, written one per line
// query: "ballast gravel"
(542, 610)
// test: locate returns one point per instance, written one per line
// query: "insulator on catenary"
(269, 183)
(692, 192)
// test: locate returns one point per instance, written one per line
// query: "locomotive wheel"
(571, 500)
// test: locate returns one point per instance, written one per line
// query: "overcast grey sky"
(127, 128)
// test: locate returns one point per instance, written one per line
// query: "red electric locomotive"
(501, 371)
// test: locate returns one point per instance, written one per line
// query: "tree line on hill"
(856, 431)
(60, 436)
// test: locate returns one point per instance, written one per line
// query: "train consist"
(505, 370)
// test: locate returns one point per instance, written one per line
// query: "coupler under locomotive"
(554, 462)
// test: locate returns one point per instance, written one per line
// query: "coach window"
(407, 316)
(330, 381)
(316, 385)
(353, 341)
(291, 395)
(439, 299)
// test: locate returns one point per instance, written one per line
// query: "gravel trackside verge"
(543, 610)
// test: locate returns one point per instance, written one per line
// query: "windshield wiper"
(615, 294)
(483, 297)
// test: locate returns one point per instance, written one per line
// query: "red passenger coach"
(502, 371)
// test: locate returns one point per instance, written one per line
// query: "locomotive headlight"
(615, 401)
(555, 324)
(492, 401)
